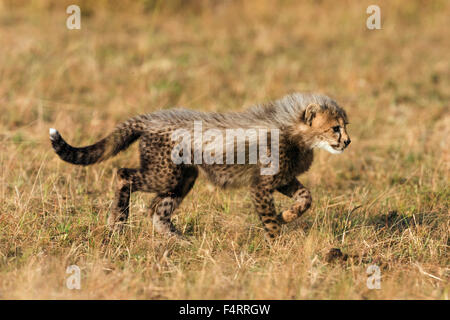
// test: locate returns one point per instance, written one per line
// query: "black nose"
(347, 142)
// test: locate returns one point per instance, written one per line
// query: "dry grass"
(385, 200)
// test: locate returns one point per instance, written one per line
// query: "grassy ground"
(385, 201)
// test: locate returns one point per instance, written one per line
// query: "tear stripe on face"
(326, 146)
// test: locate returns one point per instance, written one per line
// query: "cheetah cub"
(285, 132)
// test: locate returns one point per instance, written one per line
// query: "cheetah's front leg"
(264, 205)
(302, 198)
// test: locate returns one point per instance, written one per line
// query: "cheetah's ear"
(310, 112)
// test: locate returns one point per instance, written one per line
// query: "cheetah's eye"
(336, 129)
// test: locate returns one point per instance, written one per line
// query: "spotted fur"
(305, 122)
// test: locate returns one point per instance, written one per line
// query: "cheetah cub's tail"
(121, 138)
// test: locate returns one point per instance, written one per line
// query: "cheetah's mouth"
(336, 148)
(330, 148)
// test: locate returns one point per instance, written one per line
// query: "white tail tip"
(53, 133)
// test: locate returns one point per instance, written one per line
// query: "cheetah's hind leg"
(164, 204)
(130, 180)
